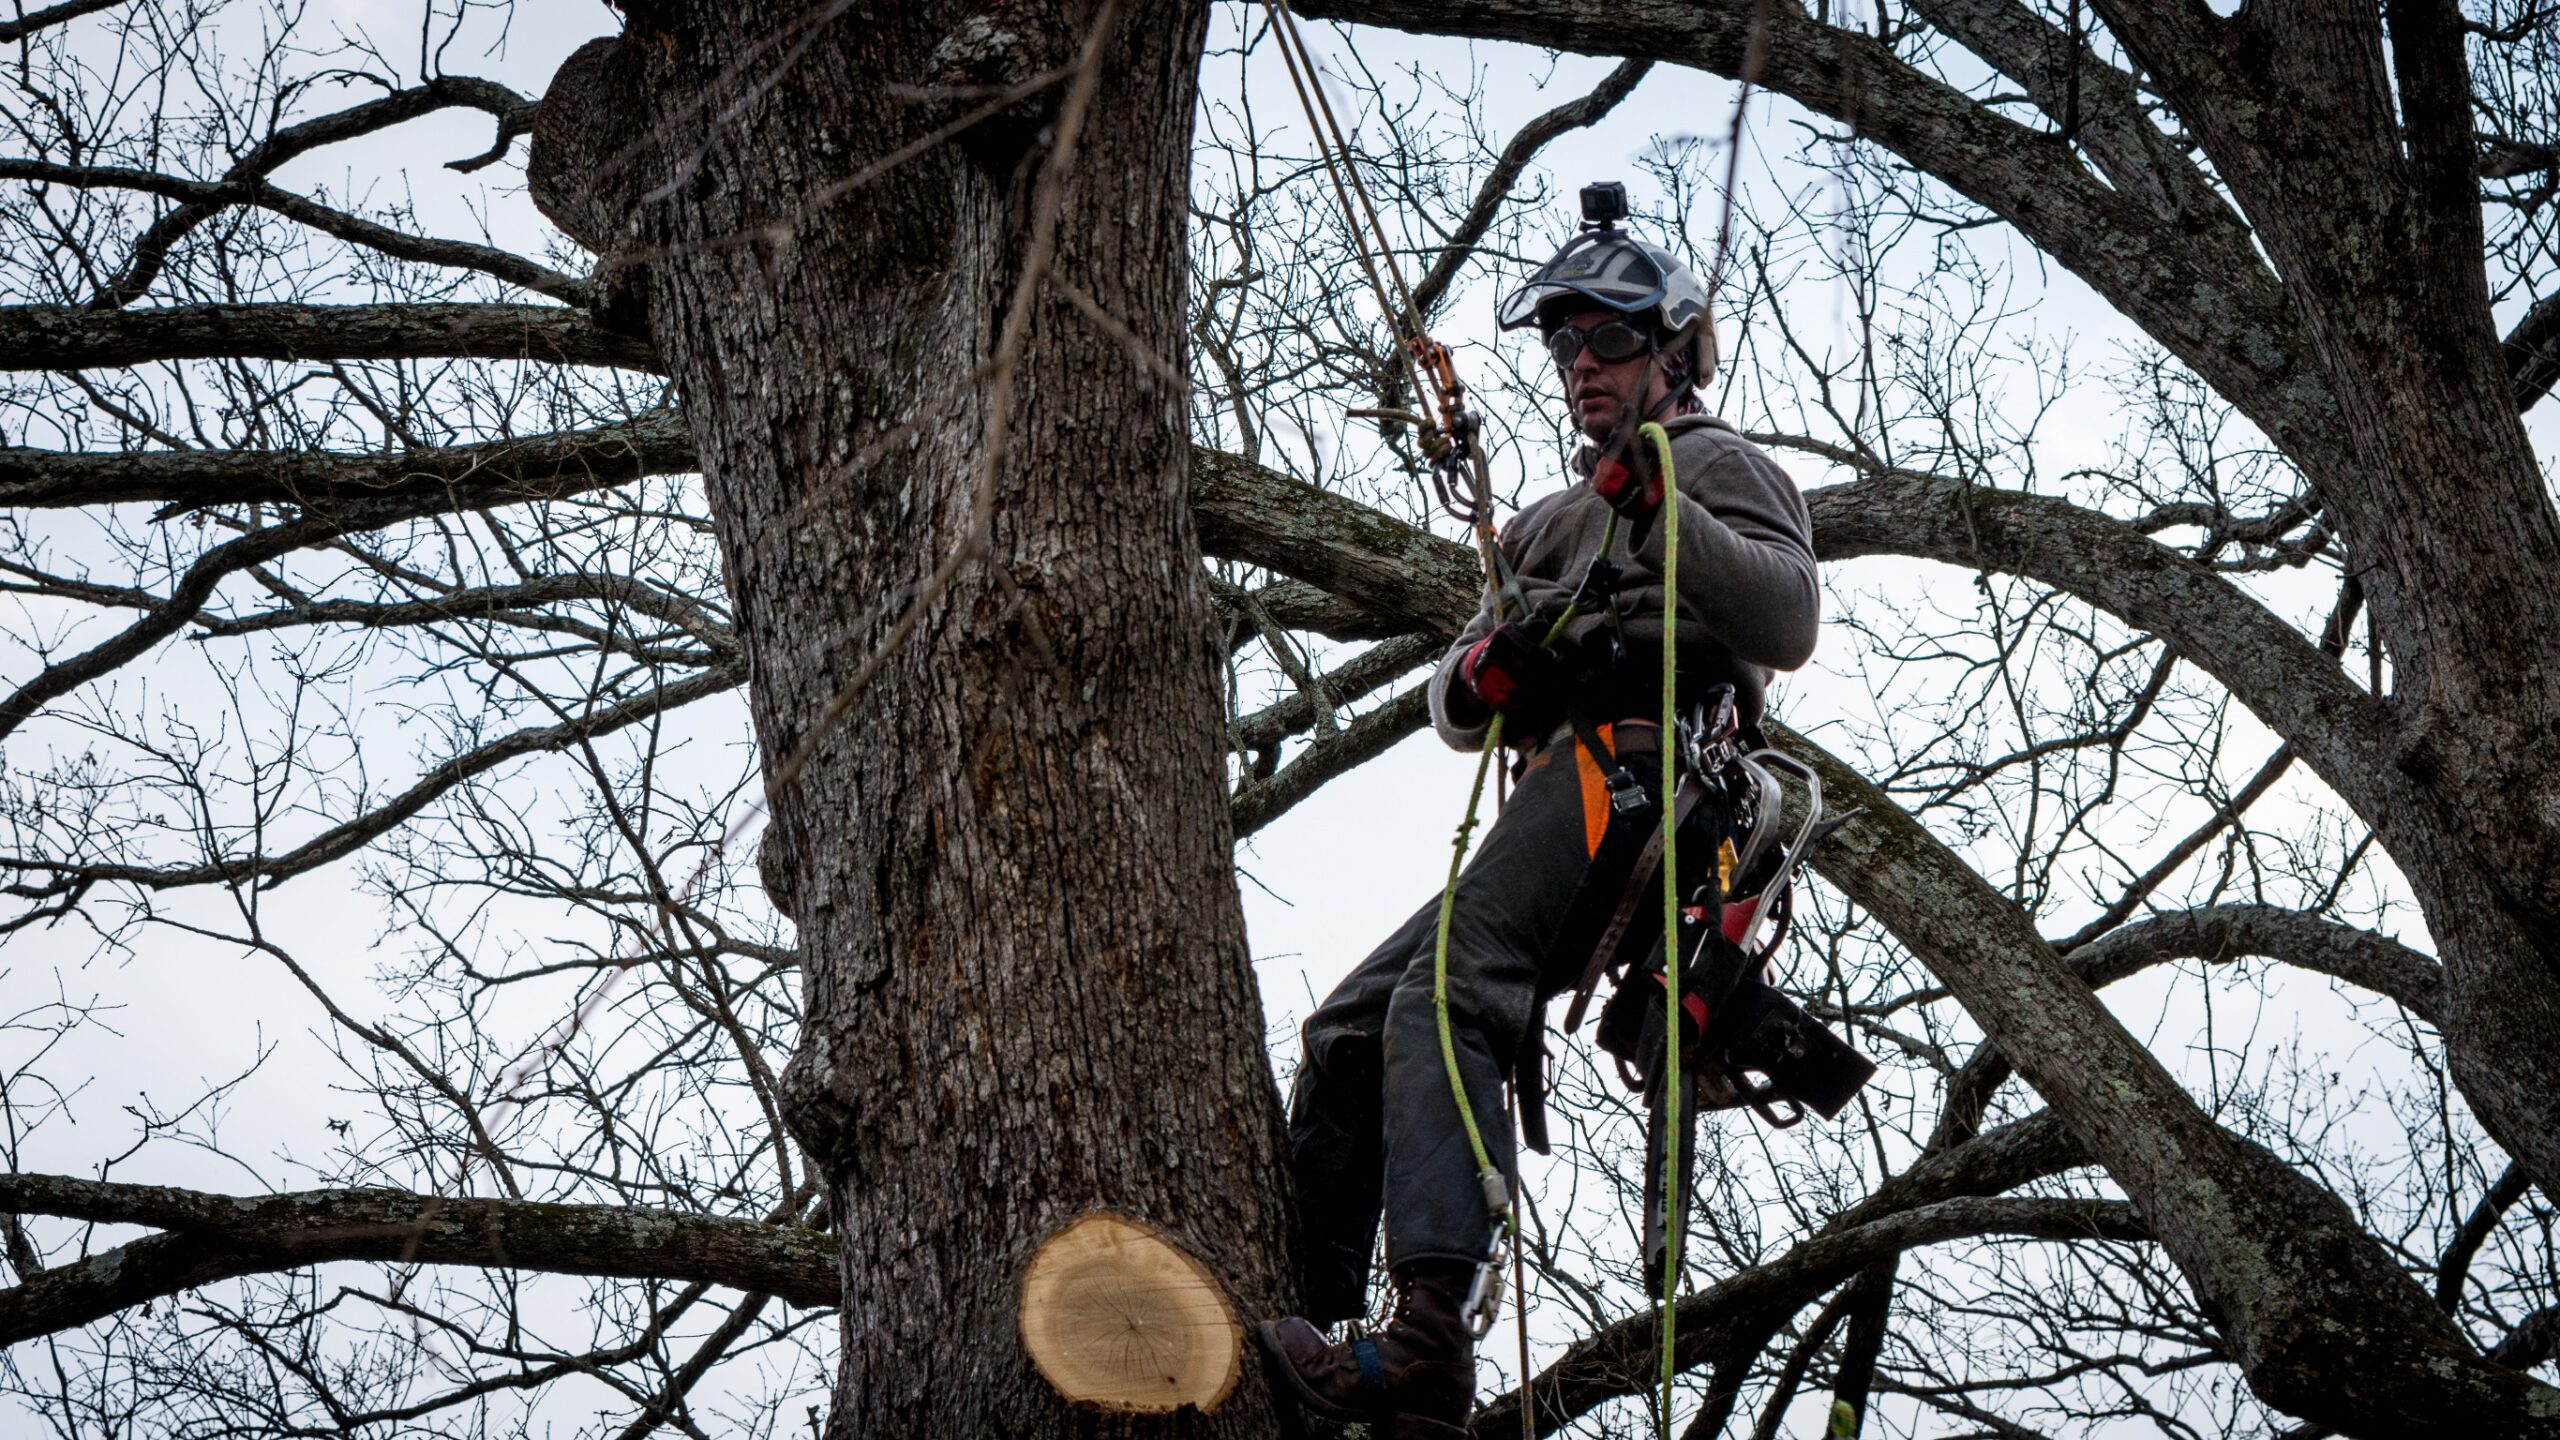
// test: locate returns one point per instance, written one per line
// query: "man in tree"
(1373, 1126)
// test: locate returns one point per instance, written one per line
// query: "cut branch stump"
(1117, 1316)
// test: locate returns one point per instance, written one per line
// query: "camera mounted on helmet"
(1604, 204)
(1603, 267)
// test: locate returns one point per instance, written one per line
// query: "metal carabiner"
(1799, 845)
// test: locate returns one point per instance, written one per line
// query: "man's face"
(1600, 394)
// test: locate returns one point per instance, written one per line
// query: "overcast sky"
(1322, 885)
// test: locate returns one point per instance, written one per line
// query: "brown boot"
(1415, 1378)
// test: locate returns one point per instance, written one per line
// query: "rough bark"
(1027, 993)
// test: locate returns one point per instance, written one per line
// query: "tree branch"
(2535, 1339)
(12, 31)
(1250, 513)
(514, 605)
(2281, 675)
(2204, 293)
(215, 195)
(1515, 157)
(218, 1237)
(2296, 937)
(339, 495)
(2138, 892)
(2533, 352)
(1620, 1359)
(2228, 1212)
(2476, 1229)
(66, 337)
(151, 251)
(2092, 102)
(1994, 1162)
(551, 466)
(1378, 665)
(1363, 740)
(1297, 605)
(342, 840)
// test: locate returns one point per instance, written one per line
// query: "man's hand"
(1629, 477)
(1507, 669)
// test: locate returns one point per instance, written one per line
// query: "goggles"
(1612, 342)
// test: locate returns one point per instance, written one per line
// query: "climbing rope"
(1672, 1082)
(1449, 438)
(1448, 435)
(1497, 1189)
(1496, 1186)
(1449, 429)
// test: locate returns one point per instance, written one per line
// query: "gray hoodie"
(1749, 603)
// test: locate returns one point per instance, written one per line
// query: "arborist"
(1374, 1127)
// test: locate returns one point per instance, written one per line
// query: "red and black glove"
(1506, 669)
(1629, 477)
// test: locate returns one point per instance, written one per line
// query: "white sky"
(1325, 882)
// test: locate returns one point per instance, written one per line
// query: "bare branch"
(2205, 293)
(2223, 818)
(1363, 740)
(215, 195)
(1371, 668)
(345, 839)
(2476, 1229)
(12, 31)
(65, 337)
(1617, 85)
(217, 1237)
(465, 477)
(2281, 675)
(151, 251)
(2241, 1212)
(1619, 1360)
(2299, 938)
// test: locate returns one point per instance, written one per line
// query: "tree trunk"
(1027, 989)
(2351, 149)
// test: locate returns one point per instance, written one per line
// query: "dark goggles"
(1612, 342)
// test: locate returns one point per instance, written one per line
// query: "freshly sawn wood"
(1117, 1316)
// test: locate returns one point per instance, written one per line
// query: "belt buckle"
(1627, 793)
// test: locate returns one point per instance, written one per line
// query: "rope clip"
(1484, 1297)
(1484, 1294)
(1599, 583)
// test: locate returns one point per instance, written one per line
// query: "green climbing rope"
(1673, 1130)
(1496, 1188)
(1497, 1192)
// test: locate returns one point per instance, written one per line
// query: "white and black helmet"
(1605, 266)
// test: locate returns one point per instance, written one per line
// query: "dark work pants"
(1372, 1122)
